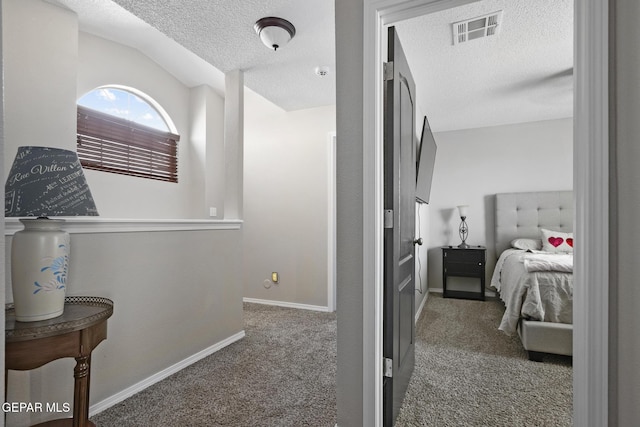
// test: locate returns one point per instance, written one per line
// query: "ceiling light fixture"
(274, 32)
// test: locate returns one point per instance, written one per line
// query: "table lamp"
(43, 182)
(463, 230)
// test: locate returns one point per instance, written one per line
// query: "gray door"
(399, 205)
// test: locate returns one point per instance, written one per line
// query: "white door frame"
(591, 182)
(332, 223)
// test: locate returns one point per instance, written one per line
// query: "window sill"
(90, 225)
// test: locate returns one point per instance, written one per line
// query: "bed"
(537, 294)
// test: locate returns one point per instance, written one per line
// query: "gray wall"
(625, 210)
(349, 62)
(474, 164)
(2, 272)
(423, 268)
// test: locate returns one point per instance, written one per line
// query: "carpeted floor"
(283, 374)
(468, 373)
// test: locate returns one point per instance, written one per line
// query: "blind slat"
(111, 144)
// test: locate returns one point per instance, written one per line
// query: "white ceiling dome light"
(274, 32)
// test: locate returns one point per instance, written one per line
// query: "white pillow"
(556, 241)
(527, 244)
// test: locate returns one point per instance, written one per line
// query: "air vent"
(476, 28)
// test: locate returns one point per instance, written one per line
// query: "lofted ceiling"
(524, 73)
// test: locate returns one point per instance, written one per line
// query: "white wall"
(474, 164)
(286, 201)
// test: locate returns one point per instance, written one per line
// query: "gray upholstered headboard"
(524, 214)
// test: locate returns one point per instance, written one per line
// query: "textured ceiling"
(522, 74)
(221, 32)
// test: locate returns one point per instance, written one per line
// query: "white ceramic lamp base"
(39, 268)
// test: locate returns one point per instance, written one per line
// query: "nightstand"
(467, 262)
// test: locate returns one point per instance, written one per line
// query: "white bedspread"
(540, 295)
(548, 262)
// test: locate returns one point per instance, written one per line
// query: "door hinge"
(388, 218)
(388, 367)
(388, 71)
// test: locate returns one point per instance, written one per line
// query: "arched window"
(121, 130)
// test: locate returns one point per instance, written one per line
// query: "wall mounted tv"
(425, 161)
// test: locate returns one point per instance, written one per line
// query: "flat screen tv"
(425, 161)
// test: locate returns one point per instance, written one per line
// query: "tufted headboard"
(524, 214)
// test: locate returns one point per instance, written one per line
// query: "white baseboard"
(419, 310)
(487, 293)
(287, 304)
(137, 387)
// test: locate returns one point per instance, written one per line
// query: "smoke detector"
(476, 28)
(322, 71)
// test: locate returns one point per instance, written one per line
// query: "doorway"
(590, 188)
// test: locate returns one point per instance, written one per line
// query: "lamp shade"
(463, 209)
(45, 181)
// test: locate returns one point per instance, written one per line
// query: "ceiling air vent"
(476, 28)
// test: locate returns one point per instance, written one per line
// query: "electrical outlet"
(213, 211)
(274, 277)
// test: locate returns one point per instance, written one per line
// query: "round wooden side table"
(82, 326)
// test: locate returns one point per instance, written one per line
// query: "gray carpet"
(468, 373)
(283, 374)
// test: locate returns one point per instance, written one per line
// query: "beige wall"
(176, 293)
(40, 54)
(102, 62)
(49, 65)
(286, 165)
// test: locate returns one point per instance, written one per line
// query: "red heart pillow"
(556, 241)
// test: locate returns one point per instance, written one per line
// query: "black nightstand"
(468, 262)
